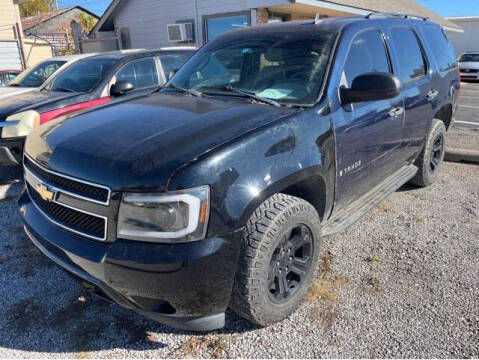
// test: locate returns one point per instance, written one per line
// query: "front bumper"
(11, 151)
(469, 76)
(186, 285)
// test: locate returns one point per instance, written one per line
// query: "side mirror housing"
(371, 87)
(121, 87)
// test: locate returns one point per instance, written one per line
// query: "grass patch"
(417, 196)
(323, 291)
(372, 258)
(418, 219)
(383, 207)
(217, 347)
(325, 316)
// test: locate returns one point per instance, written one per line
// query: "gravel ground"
(403, 282)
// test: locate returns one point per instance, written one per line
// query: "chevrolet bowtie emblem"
(45, 194)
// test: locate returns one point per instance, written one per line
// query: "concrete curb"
(459, 155)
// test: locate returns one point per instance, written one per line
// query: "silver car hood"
(8, 91)
(469, 65)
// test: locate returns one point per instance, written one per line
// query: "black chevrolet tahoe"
(215, 191)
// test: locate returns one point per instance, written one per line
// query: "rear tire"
(430, 160)
(279, 258)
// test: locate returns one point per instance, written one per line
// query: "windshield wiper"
(63, 89)
(247, 94)
(193, 92)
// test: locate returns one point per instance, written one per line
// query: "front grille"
(82, 189)
(77, 221)
(469, 71)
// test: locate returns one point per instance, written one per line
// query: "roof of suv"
(326, 24)
(133, 53)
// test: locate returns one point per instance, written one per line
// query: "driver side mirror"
(121, 87)
(371, 87)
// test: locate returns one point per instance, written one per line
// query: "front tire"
(430, 160)
(278, 261)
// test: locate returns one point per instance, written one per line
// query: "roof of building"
(460, 19)
(395, 6)
(32, 21)
(353, 6)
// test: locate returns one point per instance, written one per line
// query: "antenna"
(317, 19)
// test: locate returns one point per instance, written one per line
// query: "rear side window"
(440, 47)
(366, 54)
(141, 73)
(412, 64)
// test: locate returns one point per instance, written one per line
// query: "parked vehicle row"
(215, 190)
(33, 78)
(85, 82)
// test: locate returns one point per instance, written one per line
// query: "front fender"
(245, 172)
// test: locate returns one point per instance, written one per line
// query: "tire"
(280, 222)
(430, 160)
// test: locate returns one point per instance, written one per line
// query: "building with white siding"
(469, 40)
(144, 23)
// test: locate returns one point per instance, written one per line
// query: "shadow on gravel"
(408, 187)
(89, 324)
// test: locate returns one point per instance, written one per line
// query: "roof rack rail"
(398, 15)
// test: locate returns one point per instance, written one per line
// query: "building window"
(193, 30)
(214, 25)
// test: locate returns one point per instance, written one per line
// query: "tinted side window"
(411, 61)
(366, 54)
(440, 47)
(141, 73)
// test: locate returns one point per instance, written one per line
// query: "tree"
(87, 22)
(35, 7)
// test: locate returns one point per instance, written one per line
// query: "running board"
(358, 208)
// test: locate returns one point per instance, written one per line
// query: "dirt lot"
(401, 283)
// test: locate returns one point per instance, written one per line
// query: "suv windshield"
(286, 66)
(173, 61)
(82, 76)
(469, 58)
(37, 75)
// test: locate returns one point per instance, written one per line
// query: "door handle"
(432, 94)
(395, 112)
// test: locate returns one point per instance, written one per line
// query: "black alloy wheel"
(290, 263)
(436, 153)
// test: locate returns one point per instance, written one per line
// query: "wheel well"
(312, 190)
(445, 114)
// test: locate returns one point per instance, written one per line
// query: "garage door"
(10, 58)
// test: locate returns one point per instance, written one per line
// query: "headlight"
(170, 217)
(22, 124)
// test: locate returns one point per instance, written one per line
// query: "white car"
(469, 66)
(33, 78)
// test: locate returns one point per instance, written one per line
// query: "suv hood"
(138, 144)
(26, 100)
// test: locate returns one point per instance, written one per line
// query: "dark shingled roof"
(32, 21)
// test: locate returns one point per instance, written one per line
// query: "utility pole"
(56, 3)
